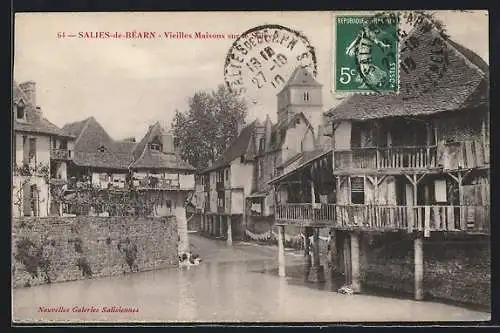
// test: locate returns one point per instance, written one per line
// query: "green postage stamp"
(366, 55)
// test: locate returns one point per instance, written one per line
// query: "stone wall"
(57, 249)
(456, 267)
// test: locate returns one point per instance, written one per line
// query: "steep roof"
(145, 158)
(278, 131)
(236, 149)
(302, 77)
(464, 84)
(95, 148)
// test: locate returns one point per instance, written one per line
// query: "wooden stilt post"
(333, 252)
(281, 251)
(229, 231)
(221, 225)
(211, 225)
(315, 261)
(307, 253)
(355, 281)
(347, 258)
(419, 267)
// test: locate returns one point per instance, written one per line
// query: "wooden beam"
(421, 177)
(412, 180)
(419, 267)
(281, 251)
(355, 282)
(381, 179)
(372, 180)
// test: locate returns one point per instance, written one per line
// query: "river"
(232, 284)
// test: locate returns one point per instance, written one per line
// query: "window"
(155, 146)
(227, 174)
(261, 144)
(63, 144)
(306, 96)
(54, 144)
(242, 159)
(32, 150)
(101, 148)
(260, 170)
(440, 190)
(357, 190)
(20, 111)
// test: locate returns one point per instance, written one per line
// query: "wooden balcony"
(417, 157)
(471, 219)
(59, 154)
(157, 183)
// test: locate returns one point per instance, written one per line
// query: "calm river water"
(238, 284)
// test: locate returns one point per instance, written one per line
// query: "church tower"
(302, 93)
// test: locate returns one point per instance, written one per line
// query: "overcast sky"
(129, 84)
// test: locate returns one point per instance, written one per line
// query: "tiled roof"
(236, 149)
(306, 158)
(463, 85)
(145, 158)
(95, 148)
(159, 160)
(40, 126)
(290, 160)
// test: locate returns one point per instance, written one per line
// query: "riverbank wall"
(56, 249)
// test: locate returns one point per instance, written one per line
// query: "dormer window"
(20, 111)
(306, 96)
(155, 146)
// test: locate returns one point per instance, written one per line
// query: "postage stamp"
(367, 54)
(265, 57)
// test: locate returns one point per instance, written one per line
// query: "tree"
(203, 132)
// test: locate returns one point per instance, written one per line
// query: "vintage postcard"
(232, 167)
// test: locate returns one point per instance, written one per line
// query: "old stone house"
(40, 154)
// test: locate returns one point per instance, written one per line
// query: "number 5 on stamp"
(366, 54)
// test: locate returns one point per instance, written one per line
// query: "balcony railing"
(418, 157)
(157, 183)
(59, 154)
(387, 218)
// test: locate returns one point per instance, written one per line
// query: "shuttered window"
(357, 190)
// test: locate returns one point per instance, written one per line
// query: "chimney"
(29, 89)
(168, 143)
(34, 115)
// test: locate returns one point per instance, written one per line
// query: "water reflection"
(187, 309)
(230, 285)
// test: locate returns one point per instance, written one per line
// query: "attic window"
(155, 146)
(102, 149)
(306, 96)
(297, 121)
(20, 111)
(242, 159)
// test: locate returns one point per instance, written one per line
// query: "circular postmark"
(423, 51)
(265, 57)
